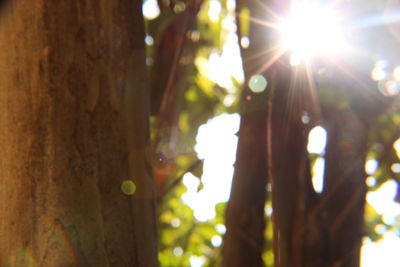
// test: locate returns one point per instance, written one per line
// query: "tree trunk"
(310, 229)
(74, 127)
(344, 186)
(299, 239)
(244, 240)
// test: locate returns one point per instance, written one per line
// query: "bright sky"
(216, 144)
(382, 253)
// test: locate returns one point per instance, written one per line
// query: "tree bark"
(344, 186)
(74, 126)
(299, 232)
(244, 240)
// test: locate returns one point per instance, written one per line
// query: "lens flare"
(311, 30)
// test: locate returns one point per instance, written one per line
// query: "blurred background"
(204, 60)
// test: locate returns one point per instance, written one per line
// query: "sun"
(311, 31)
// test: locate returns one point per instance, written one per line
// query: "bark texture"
(73, 127)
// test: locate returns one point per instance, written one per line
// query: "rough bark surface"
(73, 127)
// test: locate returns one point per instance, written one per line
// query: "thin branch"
(178, 180)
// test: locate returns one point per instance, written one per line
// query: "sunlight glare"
(258, 83)
(150, 9)
(311, 30)
(295, 59)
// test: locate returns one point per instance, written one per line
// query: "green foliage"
(181, 235)
(384, 133)
(372, 219)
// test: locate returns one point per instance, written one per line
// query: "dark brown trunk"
(344, 186)
(244, 240)
(293, 195)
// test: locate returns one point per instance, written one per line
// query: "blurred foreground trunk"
(74, 135)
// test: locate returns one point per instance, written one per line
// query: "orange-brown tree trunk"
(73, 128)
